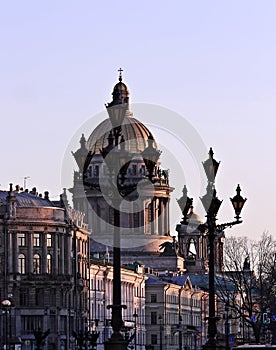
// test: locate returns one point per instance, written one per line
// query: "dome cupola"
(120, 92)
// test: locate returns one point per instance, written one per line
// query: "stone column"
(55, 253)
(44, 251)
(30, 254)
(61, 252)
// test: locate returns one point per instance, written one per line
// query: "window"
(191, 249)
(36, 239)
(49, 263)
(36, 263)
(53, 323)
(153, 339)
(96, 170)
(23, 297)
(63, 324)
(49, 240)
(53, 297)
(143, 170)
(134, 169)
(153, 317)
(39, 297)
(153, 298)
(29, 323)
(21, 264)
(21, 239)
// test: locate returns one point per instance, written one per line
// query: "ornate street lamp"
(117, 341)
(83, 157)
(211, 205)
(117, 160)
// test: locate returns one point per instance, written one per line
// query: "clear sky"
(213, 62)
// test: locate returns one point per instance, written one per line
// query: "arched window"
(21, 264)
(36, 263)
(96, 170)
(49, 263)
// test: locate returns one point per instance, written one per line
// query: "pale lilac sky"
(213, 62)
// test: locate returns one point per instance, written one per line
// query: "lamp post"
(180, 329)
(6, 305)
(117, 159)
(135, 315)
(211, 205)
(227, 326)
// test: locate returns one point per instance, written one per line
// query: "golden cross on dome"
(120, 70)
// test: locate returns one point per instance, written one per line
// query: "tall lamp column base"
(116, 342)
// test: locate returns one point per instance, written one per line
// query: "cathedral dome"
(135, 135)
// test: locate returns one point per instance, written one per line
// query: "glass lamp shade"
(210, 202)
(238, 202)
(117, 114)
(117, 158)
(211, 167)
(83, 156)
(106, 152)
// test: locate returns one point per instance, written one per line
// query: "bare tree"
(248, 285)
